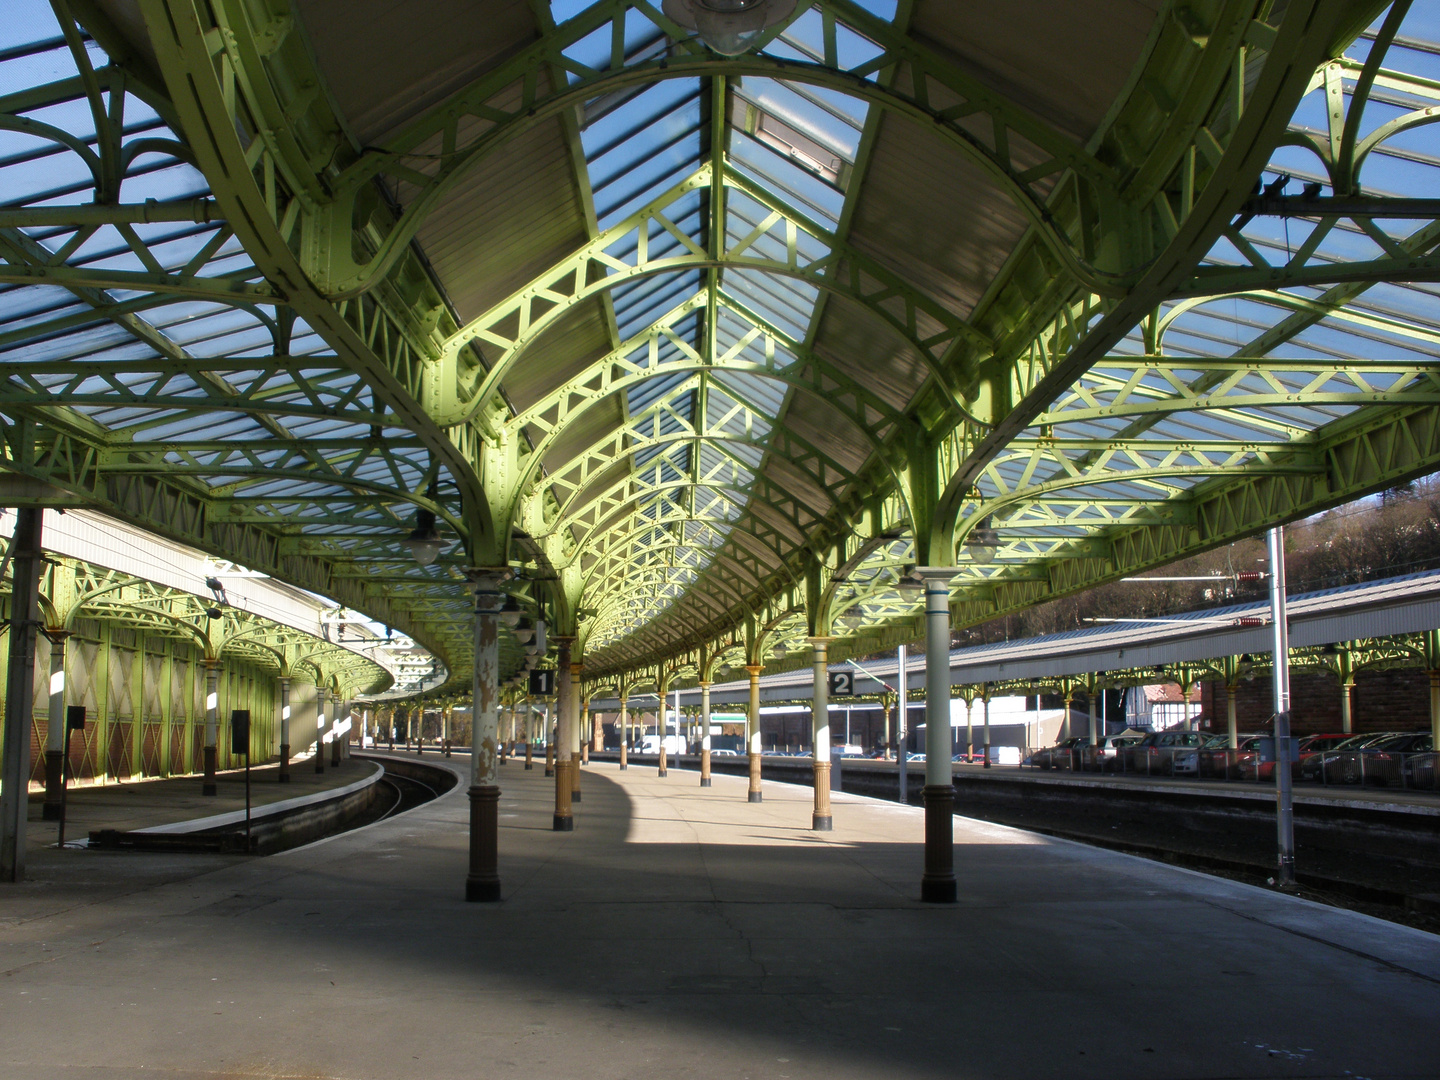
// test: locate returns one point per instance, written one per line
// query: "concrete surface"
(1425, 803)
(151, 804)
(681, 932)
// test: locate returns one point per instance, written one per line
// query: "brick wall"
(1382, 701)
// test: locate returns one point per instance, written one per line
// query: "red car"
(1309, 746)
(1218, 760)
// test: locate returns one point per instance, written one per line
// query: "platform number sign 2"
(842, 684)
(542, 682)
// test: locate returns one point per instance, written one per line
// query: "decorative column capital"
(928, 574)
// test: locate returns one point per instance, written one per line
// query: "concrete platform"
(1351, 796)
(682, 932)
(146, 804)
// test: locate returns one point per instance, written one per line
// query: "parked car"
(1391, 763)
(1342, 763)
(1218, 760)
(1112, 757)
(1156, 754)
(1063, 755)
(1310, 745)
(1100, 756)
(1252, 768)
(1185, 759)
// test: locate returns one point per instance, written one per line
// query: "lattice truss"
(237, 341)
(73, 589)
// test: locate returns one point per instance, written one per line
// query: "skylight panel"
(638, 305)
(806, 112)
(787, 179)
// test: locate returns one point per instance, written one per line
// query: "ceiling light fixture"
(510, 612)
(729, 27)
(424, 542)
(982, 543)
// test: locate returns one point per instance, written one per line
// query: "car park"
(1157, 753)
(1310, 745)
(1218, 760)
(1252, 768)
(1112, 755)
(1063, 755)
(1391, 763)
(1343, 763)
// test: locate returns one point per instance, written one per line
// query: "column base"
(528, 766)
(208, 786)
(941, 891)
(209, 789)
(484, 892)
(549, 772)
(756, 796)
(284, 777)
(563, 824)
(821, 824)
(660, 773)
(574, 796)
(482, 883)
(705, 781)
(937, 886)
(624, 767)
(54, 777)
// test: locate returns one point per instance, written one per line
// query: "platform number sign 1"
(542, 682)
(842, 684)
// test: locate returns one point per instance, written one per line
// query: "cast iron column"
(902, 708)
(549, 742)
(564, 702)
(1435, 707)
(337, 716)
(55, 726)
(985, 698)
(285, 729)
(529, 735)
(319, 728)
(483, 881)
(704, 734)
(212, 710)
(661, 725)
(20, 692)
(820, 820)
(572, 722)
(624, 732)
(938, 884)
(1280, 682)
(752, 732)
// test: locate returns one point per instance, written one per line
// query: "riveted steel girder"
(1118, 231)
